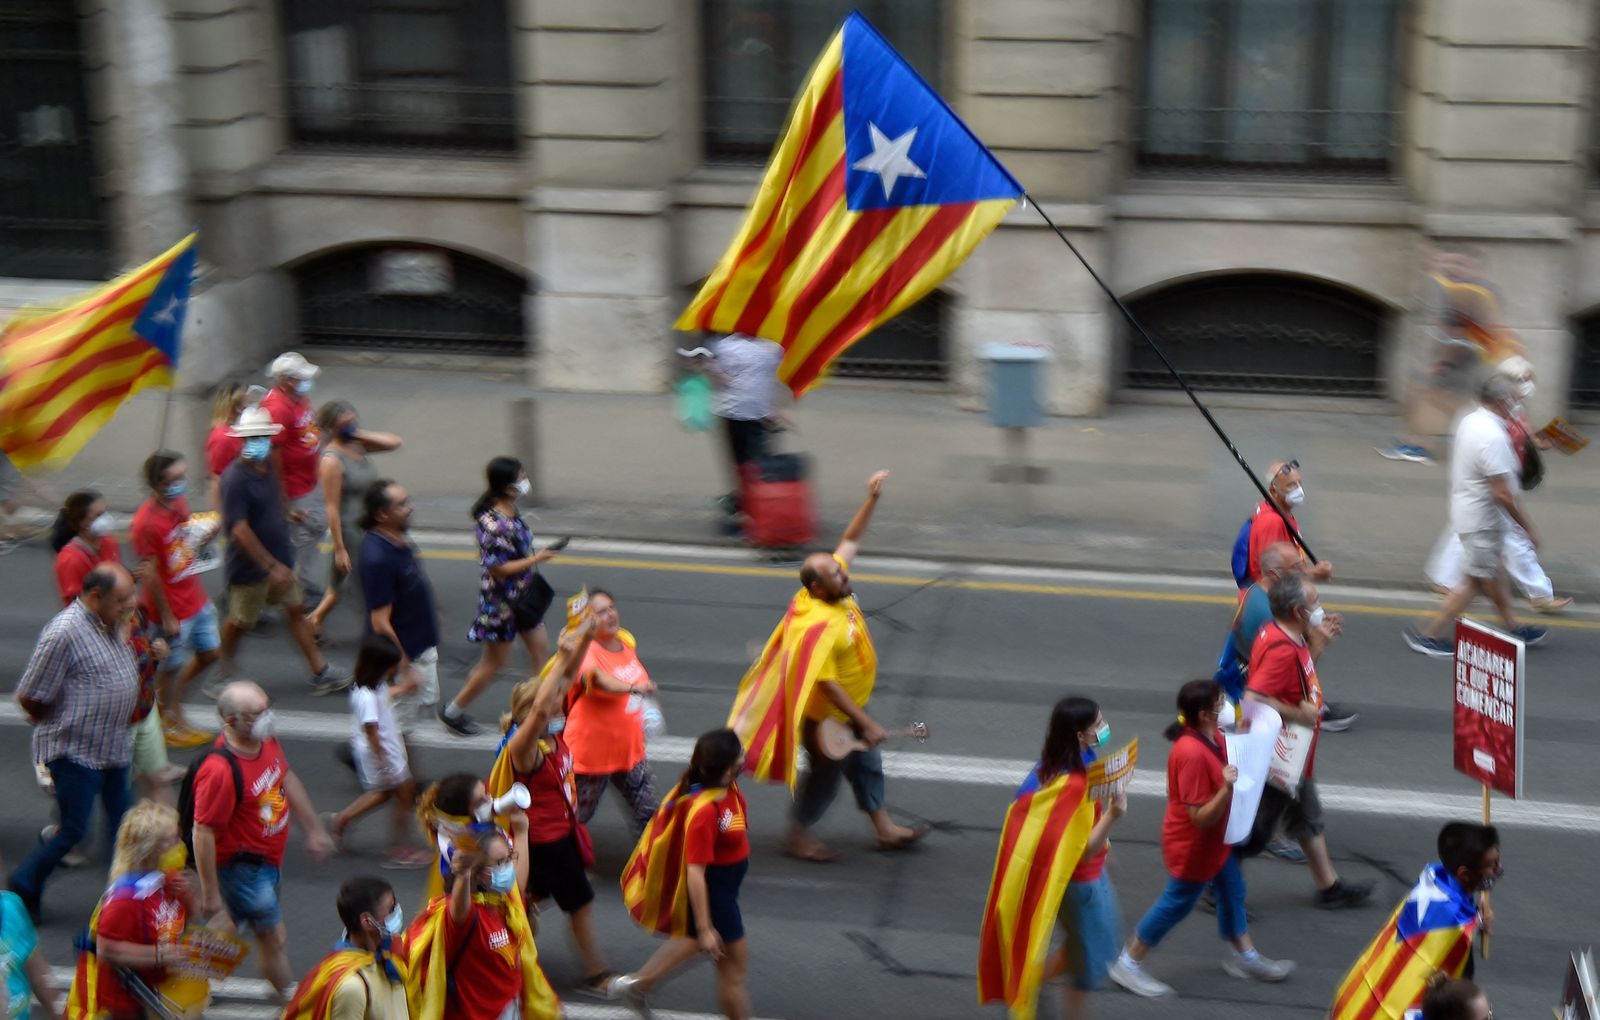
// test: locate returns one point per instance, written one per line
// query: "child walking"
(379, 751)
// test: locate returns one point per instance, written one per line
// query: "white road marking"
(920, 766)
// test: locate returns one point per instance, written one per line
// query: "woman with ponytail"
(1199, 795)
(701, 834)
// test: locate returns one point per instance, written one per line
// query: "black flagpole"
(1204, 411)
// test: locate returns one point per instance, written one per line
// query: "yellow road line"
(1011, 587)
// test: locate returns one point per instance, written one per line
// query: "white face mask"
(1228, 716)
(523, 486)
(1525, 389)
(265, 727)
(1315, 619)
(1295, 496)
(103, 525)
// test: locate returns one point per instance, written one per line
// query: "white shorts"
(418, 706)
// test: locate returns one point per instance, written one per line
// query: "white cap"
(292, 364)
(254, 421)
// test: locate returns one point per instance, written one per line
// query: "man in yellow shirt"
(842, 691)
(361, 979)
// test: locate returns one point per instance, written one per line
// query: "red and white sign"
(1490, 688)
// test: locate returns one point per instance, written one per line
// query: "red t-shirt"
(222, 450)
(144, 915)
(1266, 529)
(487, 972)
(298, 444)
(1090, 868)
(258, 822)
(720, 836)
(1194, 775)
(76, 559)
(157, 534)
(1282, 668)
(552, 792)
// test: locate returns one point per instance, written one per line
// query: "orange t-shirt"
(604, 735)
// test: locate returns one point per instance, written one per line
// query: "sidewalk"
(1145, 488)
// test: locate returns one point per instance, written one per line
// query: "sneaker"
(624, 988)
(595, 987)
(183, 737)
(330, 681)
(460, 724)
(1531, 635)
(1336, 719)
(1439, 648)
(1550, 605)
(1257, 968)
(1137, 981)
(1405, 451)
(1343, 895)
(1285, 849)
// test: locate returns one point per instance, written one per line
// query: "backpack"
(1241, 554)
(186, 791)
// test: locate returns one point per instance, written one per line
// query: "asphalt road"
(980, 655)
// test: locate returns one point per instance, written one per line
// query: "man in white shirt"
(745, 369)
(1483, 501)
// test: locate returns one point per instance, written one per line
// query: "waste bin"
(1014, 395)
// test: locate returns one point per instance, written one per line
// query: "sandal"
(902, 842)
(595, 985)
(819, 854)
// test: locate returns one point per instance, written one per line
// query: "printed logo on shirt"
(169, 921)
(729, 821)
(272, 807)
(500, 943)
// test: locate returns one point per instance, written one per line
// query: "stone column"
(1500, 156)
(598, 79)
(1037, 85)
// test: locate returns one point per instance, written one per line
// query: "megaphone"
(517, 796)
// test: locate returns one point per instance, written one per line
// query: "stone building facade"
(541, 183)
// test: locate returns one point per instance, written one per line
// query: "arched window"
(52, 222)
(410, 298)
(757, 52)
(1586, 369)
(1262, 332)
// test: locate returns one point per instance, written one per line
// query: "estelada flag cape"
(655, 885)
(1430, 931)
(83, 998)
(1045, 831)
(313, 997)
(769, 708)
(426, 964)
(876, 192)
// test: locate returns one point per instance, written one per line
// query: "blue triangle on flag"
(903, 145)
(160, 323)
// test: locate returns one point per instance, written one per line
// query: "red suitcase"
(777, 515)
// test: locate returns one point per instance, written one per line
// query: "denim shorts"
(249, 889)
(196, 634)
(1093, 927)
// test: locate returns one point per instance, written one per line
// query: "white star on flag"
(167, 316)
(1427, 893)
(889, 159)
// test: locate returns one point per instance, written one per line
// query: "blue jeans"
(1092, 924)
(1179, 898)
(864, 769)
(77, 786)
(249, 888)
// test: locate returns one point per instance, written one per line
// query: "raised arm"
(850, 544)
(571, 647)
(379, 442)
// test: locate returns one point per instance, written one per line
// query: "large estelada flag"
(876, 192)
(1045, 831)
(1431, 931)
(64, 372)
(426, 967)
(655, 886)
(769, 708)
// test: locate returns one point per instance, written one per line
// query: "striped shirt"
(87, 679)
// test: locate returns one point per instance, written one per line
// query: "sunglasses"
(1292, 465)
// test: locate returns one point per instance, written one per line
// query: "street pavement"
(1145, 487)
(979, 654)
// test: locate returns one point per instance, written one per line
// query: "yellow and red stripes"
(1044, 835)
(1391, 974)
(63, 374)
(313, 997)
(810, 273)
(654, 886)
(769, 708)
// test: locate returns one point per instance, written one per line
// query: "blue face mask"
(1102, 735)
(395, 923)
(503, 877)
(256, 448)
(176, 489)
(303, 387)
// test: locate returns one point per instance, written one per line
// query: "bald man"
(842, 692)
(1267, 526)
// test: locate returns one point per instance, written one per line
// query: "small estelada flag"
(1561, 435)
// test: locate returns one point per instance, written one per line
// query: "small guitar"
(836, 740)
